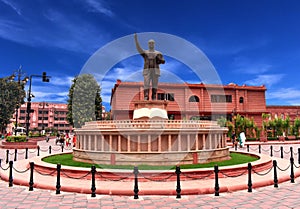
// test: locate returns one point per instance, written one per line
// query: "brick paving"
(286, 196)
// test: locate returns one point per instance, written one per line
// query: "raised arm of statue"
(138, 47)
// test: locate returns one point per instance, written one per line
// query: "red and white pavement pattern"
(285, 196)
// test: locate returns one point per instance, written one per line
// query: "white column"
(95, 142)
(119, 143)
(102, 143)
(159, 143)
(169, 142)
(204, 141)
(139, 143)
(189, 142)
(179, 142)
(110, 143)
(128, 143)
(197, 142)
(90, 143)
(149, 143)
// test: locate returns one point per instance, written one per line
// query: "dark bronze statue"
(151, 72)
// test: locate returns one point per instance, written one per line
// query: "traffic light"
(45, 78)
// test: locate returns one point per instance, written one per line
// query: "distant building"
(200, 101)
(45, 116)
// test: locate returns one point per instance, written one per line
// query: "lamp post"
(19, 74)
(45, 78)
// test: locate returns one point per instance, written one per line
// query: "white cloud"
(12, 5)
(99, 7)
(267, 80)
(245, 65)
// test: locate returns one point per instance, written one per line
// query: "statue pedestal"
(155, 110)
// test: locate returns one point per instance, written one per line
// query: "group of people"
(240, 139)
(65, 139)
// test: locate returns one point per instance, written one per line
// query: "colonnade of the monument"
(150, 141)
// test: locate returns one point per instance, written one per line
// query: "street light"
(45, 78)
(18, 73)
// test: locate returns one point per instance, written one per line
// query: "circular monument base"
(151, 158)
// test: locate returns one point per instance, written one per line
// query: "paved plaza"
(285, 196)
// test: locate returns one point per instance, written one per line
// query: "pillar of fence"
(62, 147)
(249, 177)
(16, 152)
(10, 177)
(31, 176)
(248, 148)
(50, 149)
(38, 150)
(58, 167)
(271, 151)
(93, 187)
(7, 156)
(259, 149)
(178, 186)
(26, 153)
(136, 187)
(217, 188)
(298, 155)
(292, 167)
(281, 152)
(235, 146)
(275, 173)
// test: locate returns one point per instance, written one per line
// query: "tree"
(12, 94)
(85, 102)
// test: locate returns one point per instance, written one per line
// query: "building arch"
(194, 98)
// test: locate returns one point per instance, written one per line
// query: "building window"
(194, 99)
(165, 96)
(221, 98)
(241, 99)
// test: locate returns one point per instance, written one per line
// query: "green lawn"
(67, 159)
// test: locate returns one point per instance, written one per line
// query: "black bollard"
(62, 148)
(38, 150)
(7, 156)
(58, 167)
(31, 176)
(26, 153)
(249, 177)
(292, 170)
(248, 148)
(259, 149)
(50, 149)
(16, 152)
(275, 173)
(298, 155)
(217, 188)
(136, 188)
(10, 178)
(178, 187)
(271, 149)
(281, 152)
(292, 153)
(93, 188)
(235, 146)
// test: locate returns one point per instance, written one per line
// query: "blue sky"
(253, 42)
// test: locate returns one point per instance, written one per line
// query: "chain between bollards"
(58, 167)
(31, 176)
(136, 187)
(93, 187)
(249, 177)
(217, 188)
(178, 187)
(275, 173)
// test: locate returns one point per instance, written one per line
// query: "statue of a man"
(151, 72)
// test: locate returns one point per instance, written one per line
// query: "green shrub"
(272, 138)
(16, 139)
(251, 139)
